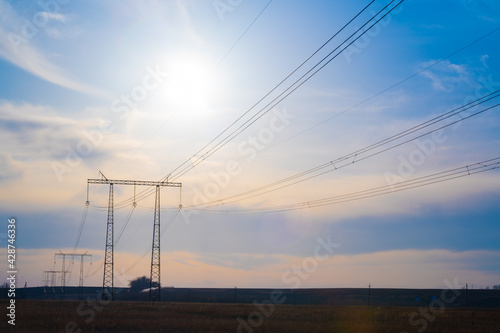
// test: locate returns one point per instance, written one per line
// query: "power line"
(146, 251)
(125, 224)
(80, 229)
(356, 156)
(243, 34)
(435, 178)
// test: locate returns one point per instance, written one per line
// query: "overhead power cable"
(148, 250)
(243, 34)
(145, 252)
(80, 229)
(435, 178)
(360, 154)
(79, 234)
(124, 225)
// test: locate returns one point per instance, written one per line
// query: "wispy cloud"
(33, 132)
(18, 48)
(484, 59)
(484, 10)
(34, 137)
(55, 16)
(446, 75)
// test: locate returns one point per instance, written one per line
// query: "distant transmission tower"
(108, 284)
(50, 279)
(64, 271)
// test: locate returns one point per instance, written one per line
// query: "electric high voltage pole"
(155, 278)
(64, 271)
(50, 278)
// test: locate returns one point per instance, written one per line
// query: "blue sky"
(136, 88)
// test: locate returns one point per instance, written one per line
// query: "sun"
(190, 86)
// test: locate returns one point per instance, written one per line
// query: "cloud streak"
(16, 46)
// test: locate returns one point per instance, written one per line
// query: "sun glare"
(190, 86)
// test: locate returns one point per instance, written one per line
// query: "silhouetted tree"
(141, 283)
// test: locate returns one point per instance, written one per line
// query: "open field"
(121, 316)
(476, 298)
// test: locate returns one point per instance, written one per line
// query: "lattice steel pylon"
(50, 278)
(155, 280)
(64, 271)
(107, 281)
(155, 249)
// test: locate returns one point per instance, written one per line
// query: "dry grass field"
(124, 317)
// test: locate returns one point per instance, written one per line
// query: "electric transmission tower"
(50, 278)
(155, 278)
(64, 271)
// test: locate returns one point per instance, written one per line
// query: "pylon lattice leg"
(107, 282)
(155, 281)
